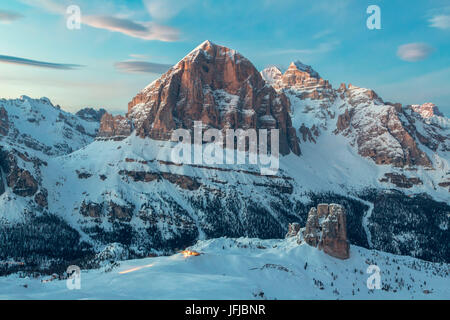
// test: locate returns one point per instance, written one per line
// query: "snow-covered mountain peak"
(298, 65)
(427, 110)
(205, 45)
(39, 125)
(271, 74)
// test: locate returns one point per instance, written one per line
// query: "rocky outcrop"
(90, 114)
(4, 123)
(114, 126)
(221, 88)
(326, 229)
(400, 180)
(92, 210)
(114, 211)
(121, 213)
(443, 184)
(182, 181)
(22, 182)
(307, 134)
(293, 230)
(41, 198)
(343, 121)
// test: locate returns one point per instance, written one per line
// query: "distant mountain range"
(72, 184)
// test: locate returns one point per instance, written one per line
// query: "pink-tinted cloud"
(148, 30)
(142, 30)
(413, 52)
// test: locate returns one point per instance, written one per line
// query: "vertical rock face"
(140, 98)
(293, 230)
(111, 126)
(326, 229)
(4, 125)
(219, 87)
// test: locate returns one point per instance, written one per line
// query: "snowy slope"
(247, 269)
(32, 132)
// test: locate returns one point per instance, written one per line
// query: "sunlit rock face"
(427, 110)
(114, 126)
(326, 229)
(217, 86)
(385, 132)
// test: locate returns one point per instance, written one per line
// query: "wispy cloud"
(142, 30)
(413, 52)
(440, 21)
(35, 63)
(9, 16)
(147, 30)
(134, 66)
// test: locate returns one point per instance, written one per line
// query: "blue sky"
(124, 45)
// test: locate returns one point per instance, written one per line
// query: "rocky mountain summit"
(388, 133)
(215, 85)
